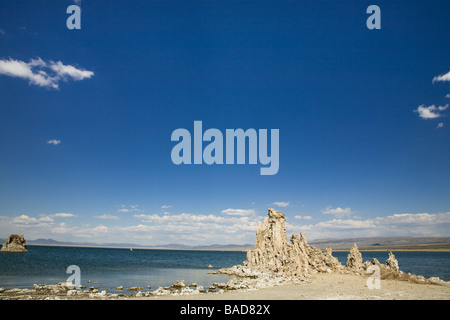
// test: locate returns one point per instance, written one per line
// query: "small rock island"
(14, 243)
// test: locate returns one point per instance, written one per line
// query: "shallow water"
(108, 268)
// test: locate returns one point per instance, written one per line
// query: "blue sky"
(86, 118)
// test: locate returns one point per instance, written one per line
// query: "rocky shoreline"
(243, 281)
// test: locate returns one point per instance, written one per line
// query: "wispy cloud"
(191, 228)
(444, 77)
(405, 224)
(131, 208)
(63, 215)
(430, 112)
(24, 219)
(2, 31)
(197, 228)
(41, 73)
(238, 212)
(338, 212)
(281, 203)
(108, 217)
(440, 125)
(303, 217)
(50, 217)
(54, 142)
(166, 207)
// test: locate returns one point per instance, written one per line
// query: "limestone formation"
(273, 253)
(275, 260)
(354, 259)
(392, 263)
(14, 243)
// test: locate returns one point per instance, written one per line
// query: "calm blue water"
(108, 268)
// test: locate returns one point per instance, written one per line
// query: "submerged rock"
(178, 284)
(14, 243)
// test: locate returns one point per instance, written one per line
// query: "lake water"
(108, 268)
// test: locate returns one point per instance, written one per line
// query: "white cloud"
(96, 232)
(281, 203)
(303, 217)
(63, 215)
(346, 224)
(54, 142)
(41, 73)
(166, 207)
(239, 212)
(50, 217)
(100, 228)
(24, 219)
(131, 208)
(338, 212)
(447, 95)
(406, 224)
(62, 228)
(27, 220)
(46, 227)
(192, 229)
(440, 125)
(46, 219)
(430, 112)
(179, 218)
(444, 77)
(67, 72)
(199, 228)
(108, 217)
(442, 108)
(2, 31)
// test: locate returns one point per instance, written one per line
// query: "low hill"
(385, 243)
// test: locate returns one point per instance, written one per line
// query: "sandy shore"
(322, 286)
(332, 287)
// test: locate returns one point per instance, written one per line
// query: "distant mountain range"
(51, 242)
(385, 243)
(371, 243)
